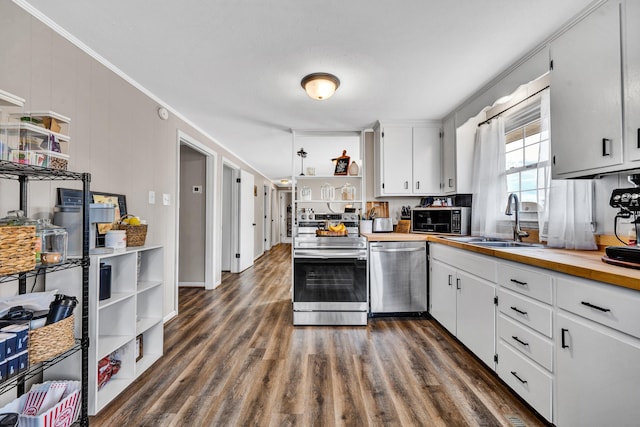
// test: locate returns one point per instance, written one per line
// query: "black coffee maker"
(61, 308)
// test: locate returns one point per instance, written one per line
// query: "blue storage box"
(10, 345)
(23, 361)
(3, 345)
(22, 335)
(3, 370)
(13, 365)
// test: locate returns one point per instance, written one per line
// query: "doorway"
(238, 230)
(195, 214)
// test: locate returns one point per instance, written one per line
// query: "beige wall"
(192, 216)
(116, 134)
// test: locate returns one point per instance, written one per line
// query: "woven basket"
(17, 249)
(329, 233)
(136, 234)
(49, 341)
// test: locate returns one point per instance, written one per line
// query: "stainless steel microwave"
(441, 219)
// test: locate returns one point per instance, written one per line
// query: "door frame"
(266, 227)
(211, 158)
(235, 213)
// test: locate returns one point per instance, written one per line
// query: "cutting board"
(381, 209)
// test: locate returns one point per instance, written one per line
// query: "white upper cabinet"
(407, 159)
(632, 79)
(586, 95)
(449, 155)
(457, 155)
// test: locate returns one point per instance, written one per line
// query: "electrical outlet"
(197, 189)
(152, 197)
(165, 199)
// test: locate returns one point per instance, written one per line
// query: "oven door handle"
(332, 255)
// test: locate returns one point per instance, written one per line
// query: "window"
(527, 160)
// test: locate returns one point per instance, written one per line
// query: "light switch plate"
(165, 199)
(152, 197)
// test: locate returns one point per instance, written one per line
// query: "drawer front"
(532, 383)
(610, 305)
(526, 341)
(478, 265)
(533, 283)
(527, 311)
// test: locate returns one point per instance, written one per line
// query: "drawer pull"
(524, 313)
(564, 343)
(595, 306)
(515, 374)
(450, 277)
(519, 340)
(458, 283)
(518, 282)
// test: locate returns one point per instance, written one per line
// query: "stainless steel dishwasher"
(398, 277)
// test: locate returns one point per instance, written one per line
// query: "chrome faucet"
(518, 234)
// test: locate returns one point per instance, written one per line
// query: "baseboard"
(191, 284)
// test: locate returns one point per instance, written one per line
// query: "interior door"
(246, 224)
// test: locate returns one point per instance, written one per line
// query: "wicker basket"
(17, 249)
(49, 341)
(329, 233)
(136, 234)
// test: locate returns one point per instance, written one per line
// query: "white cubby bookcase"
(133, 310)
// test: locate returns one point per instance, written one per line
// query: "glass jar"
(305, 193)
(327, 191)
(348, 192)
(54, 241)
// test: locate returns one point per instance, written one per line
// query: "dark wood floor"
(232, 357)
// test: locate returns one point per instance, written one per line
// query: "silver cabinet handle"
(450, 277)
(417, 185)
(450, 182)
(406, 185)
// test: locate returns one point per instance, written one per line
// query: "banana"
(337, 228)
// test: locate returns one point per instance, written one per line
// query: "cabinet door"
(426, 161)
(449, 155)
(442, 297)
(476, 316)
(632, 87)
(396, 154)
(598, 380)
(586, 95)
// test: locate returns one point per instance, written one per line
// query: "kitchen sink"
(507, 244)
(490, 242)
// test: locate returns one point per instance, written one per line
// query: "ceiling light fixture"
(320, 86)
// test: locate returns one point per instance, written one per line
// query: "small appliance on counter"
(627, 200)
(443, 219)
(382, 225)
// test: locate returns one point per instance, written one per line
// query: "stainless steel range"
(329, 273)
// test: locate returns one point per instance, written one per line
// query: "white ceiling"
(233, 67)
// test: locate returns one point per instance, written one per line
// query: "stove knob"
(635, 196)
(626, 197)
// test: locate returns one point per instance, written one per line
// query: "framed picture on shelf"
(342, 164)
(139, 347)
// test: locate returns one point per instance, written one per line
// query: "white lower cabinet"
(463, 302)
(570, 347)
(525, 332)
(530, 381)
(598, 375)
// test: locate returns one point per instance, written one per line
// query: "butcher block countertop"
(587, 264)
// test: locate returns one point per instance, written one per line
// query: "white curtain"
(489, 183)
(567, 218)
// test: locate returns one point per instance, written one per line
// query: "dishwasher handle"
(381, 249)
